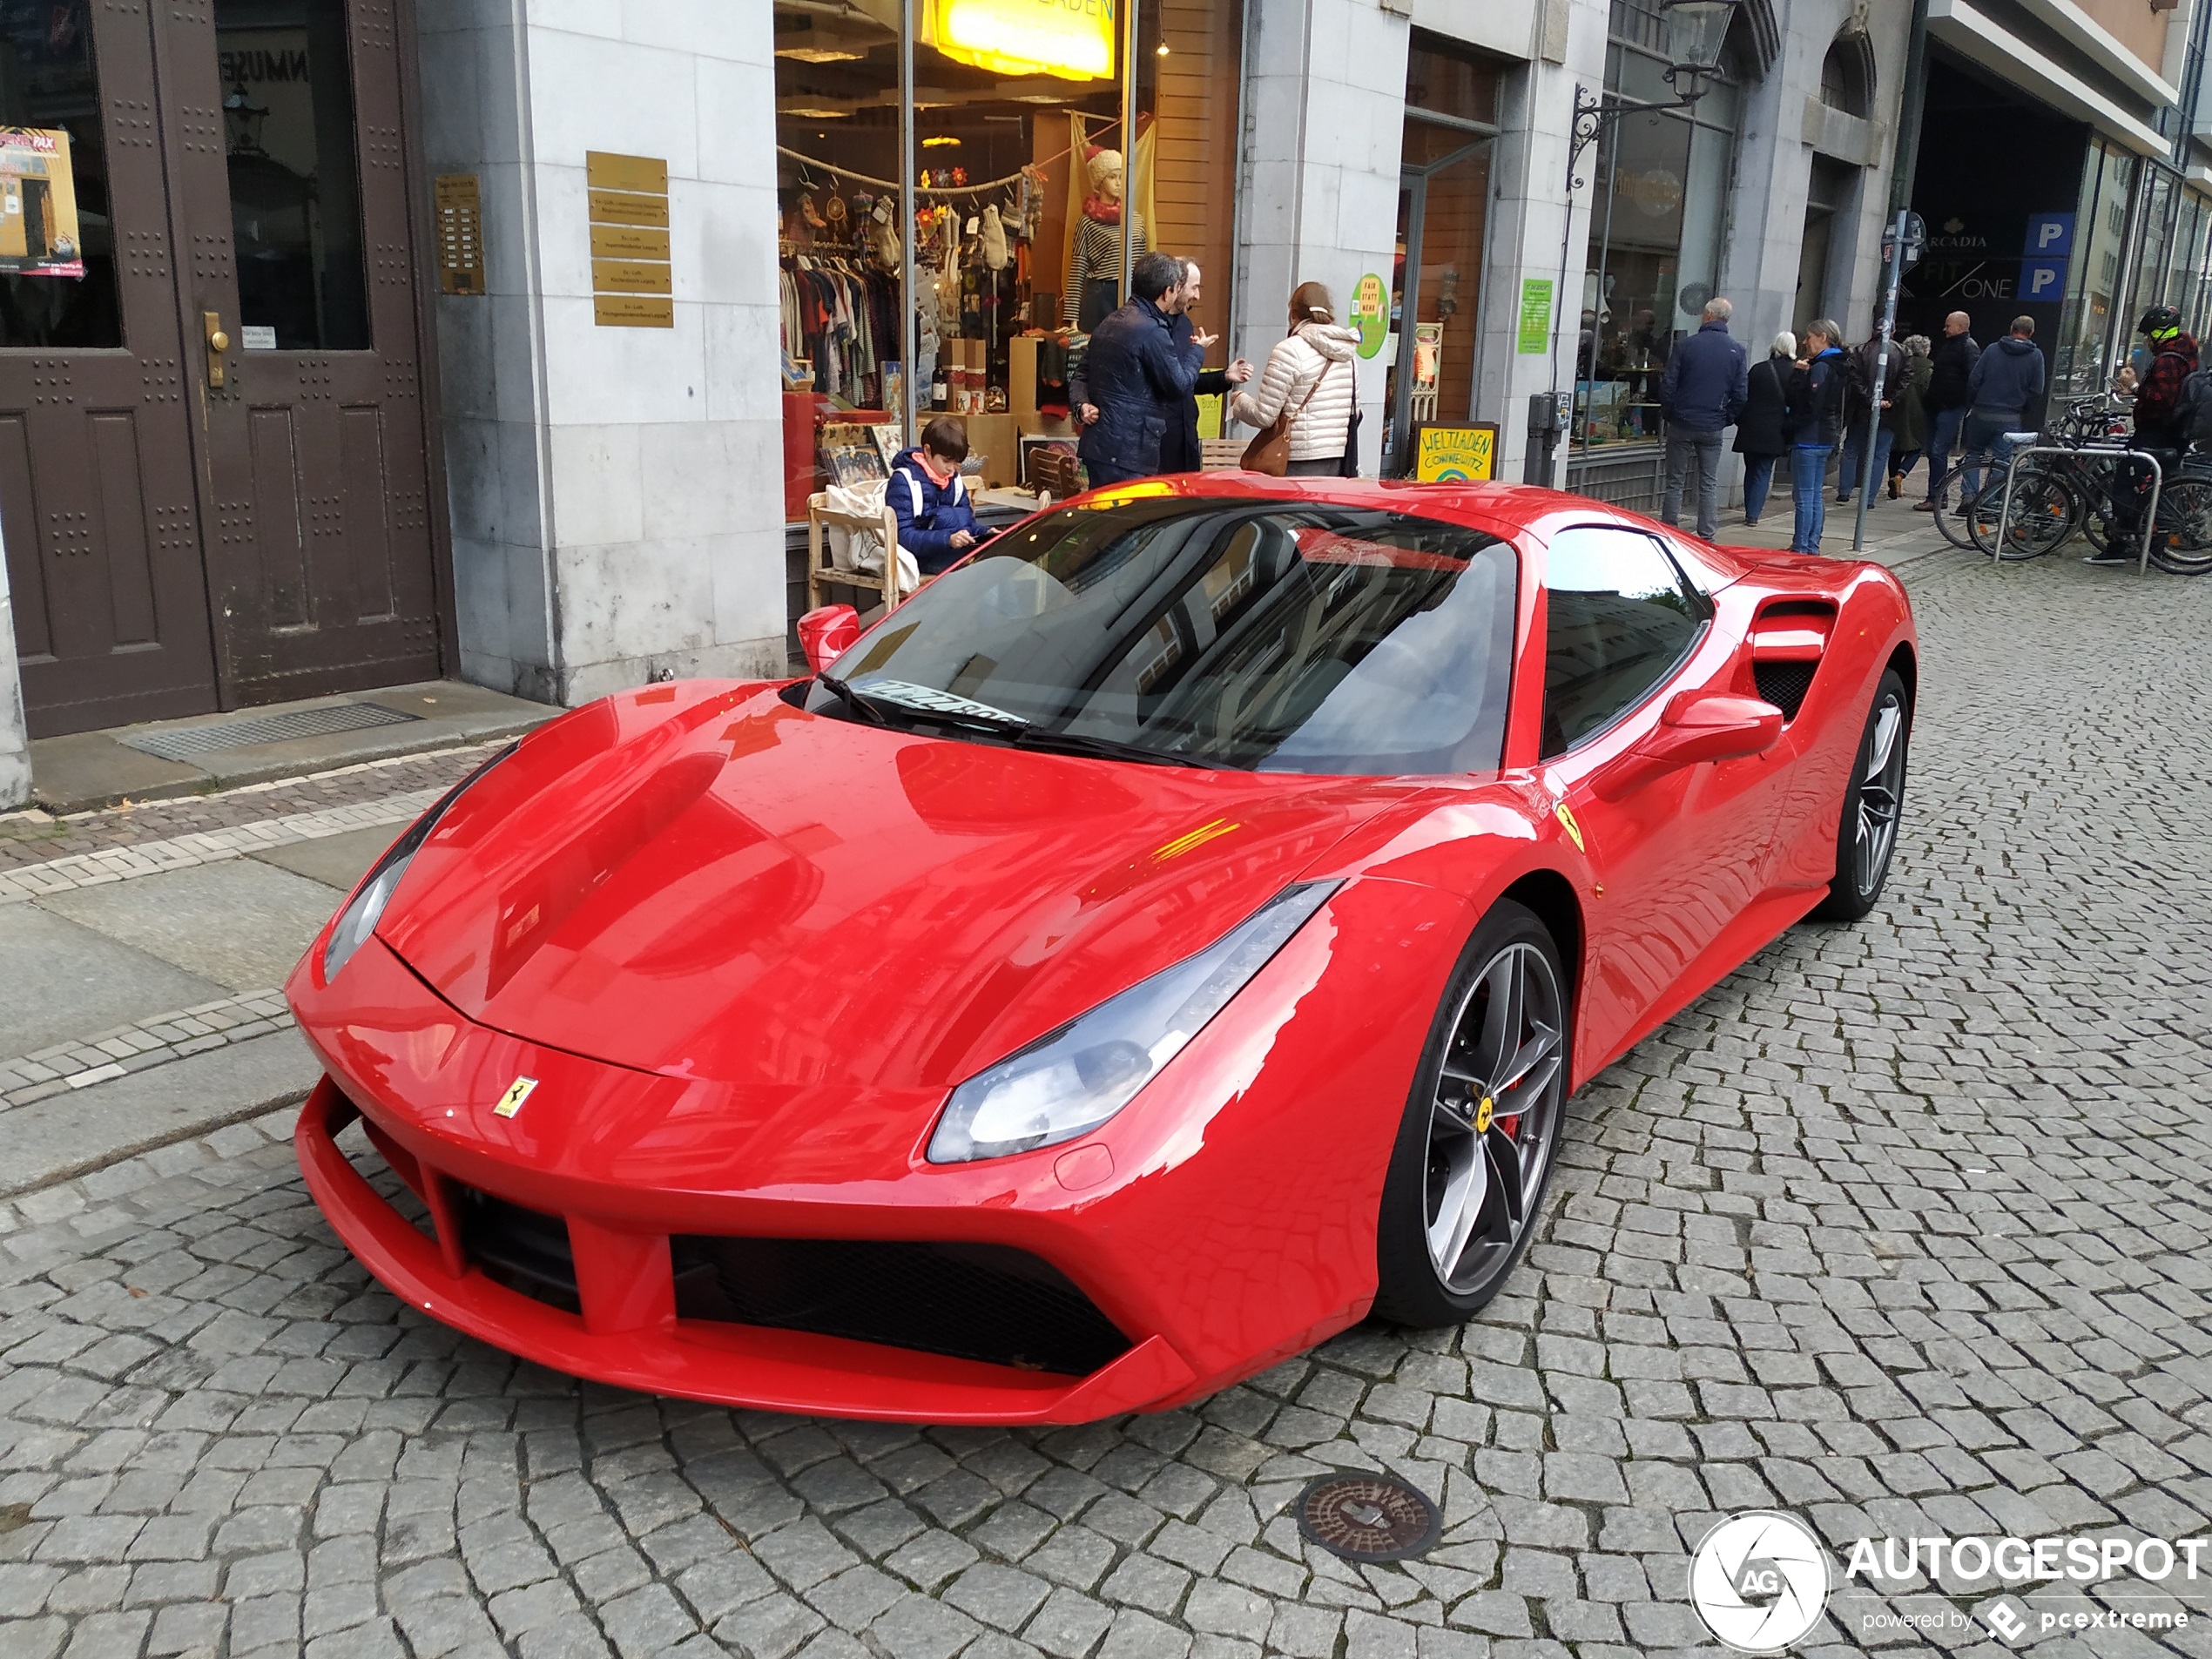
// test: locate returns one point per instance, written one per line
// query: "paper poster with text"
(39, 233)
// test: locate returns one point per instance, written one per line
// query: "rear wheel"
(1873, 798)
(2182, 545)
(1952, 500)
(1481, 1131)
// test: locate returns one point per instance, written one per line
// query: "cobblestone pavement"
(1902, 1230)
(31, 838)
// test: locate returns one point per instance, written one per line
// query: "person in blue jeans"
(1814, 418)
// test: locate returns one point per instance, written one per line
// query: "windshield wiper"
(851, 698)
(1037, 737)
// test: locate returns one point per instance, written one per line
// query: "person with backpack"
(1760, 436)
(1865, 363)
(1815, 420)
(2170, 402)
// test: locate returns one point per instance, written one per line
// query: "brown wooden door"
(284, 124)
(98, 498)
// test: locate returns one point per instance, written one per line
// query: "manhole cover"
(182, 742)
(1368, 1517)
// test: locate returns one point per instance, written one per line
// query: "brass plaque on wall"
(627, 199)
(620, 208)
(627, 242)
(632, 311)
(605, 172)
(461, 234)
(630, 276)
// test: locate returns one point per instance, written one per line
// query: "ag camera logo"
(1759, 1581)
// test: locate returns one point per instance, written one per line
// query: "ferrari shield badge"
(511, 1102)
(1567, 822)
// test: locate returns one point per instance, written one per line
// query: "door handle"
(218, 343)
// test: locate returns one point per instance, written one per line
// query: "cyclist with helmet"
(2173, 360)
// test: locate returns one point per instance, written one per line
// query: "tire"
(2046, 512)
(1466, 1179)
(1950, 514)
(1873, 803)
(2182, 545)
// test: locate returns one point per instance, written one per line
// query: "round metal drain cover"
(1368, 1517)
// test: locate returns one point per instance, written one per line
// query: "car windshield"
(1262, 635)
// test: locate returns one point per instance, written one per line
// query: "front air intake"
(987, 1302)
(524, 1250)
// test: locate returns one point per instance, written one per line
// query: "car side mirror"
(1696, 726)
(826, 633)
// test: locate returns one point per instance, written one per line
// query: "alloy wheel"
(1492, 1127)
(1880, 789)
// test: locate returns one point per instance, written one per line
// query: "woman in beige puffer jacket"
(1309, 374)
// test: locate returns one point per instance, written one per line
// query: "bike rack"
(2150, 516)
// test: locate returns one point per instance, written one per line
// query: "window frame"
(1665, 678)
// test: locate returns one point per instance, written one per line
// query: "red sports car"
(1170, 936)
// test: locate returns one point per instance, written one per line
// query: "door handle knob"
(210, 323)
(219, 340)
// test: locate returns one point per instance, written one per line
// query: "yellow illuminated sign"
(1073, 39)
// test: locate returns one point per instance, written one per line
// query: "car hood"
(724, 886)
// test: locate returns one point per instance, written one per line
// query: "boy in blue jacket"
(936, 520)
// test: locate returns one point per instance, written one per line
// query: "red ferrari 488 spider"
(1170, 936)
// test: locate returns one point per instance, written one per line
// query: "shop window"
(1659, 193)
(1026, 190)
(1847, 75)
(57, 239)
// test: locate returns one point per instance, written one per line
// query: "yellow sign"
(511, 1102)
(38, 230)
(604, 171)
(632, 311)
(1456, 454)
(1072, 39)
(624, 242)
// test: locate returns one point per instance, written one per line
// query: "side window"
(1621, 617)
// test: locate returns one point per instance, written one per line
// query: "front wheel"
(1481, 1131)
(1873, 800)
(2045, 512)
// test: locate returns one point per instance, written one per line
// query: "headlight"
(358, 919)
(1074, 1079)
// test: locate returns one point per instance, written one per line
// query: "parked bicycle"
(2057, 496)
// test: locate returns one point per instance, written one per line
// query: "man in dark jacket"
(1950, 365)
(936, 520)
(1135, 377)
(2173, 360)
(1815, 419)
(1183, 451)
(2006, 392)
(1700, 395)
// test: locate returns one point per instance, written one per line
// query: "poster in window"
(38, 230)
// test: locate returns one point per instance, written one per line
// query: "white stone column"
(15, 733)
(1325, 100)
(615, 493)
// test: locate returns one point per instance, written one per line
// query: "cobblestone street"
(1902, 1230)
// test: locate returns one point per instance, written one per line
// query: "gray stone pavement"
(1901, 1230)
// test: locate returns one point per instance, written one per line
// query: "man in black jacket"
(1135, 377)
(1946, 398)
(1183, 451)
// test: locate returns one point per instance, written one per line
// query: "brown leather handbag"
(1270, 451)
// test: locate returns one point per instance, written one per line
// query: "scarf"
(1104, 211)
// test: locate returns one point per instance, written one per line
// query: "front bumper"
(1225, 1224)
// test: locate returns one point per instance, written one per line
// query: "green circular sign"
(1371, 313)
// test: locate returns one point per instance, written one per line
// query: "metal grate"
(1783, 684)
(182, 742)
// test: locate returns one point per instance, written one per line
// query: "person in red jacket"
(2172, 360)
